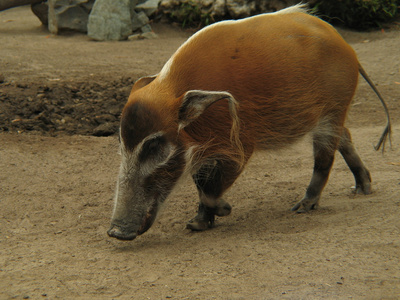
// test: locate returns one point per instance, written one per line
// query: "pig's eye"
(152, 148)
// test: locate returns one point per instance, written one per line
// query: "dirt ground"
(57, 182)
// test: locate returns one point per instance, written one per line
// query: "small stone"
(146, 28)
(22, 85)
(149, 7)
(142, 36)
(149, 4)
(105, 118)
(218, 8)
(139, 20)
(241, 8)
(135, 37)
(105, 129)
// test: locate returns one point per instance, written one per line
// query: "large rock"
(111, 20)
(69, 14)
(41, 10)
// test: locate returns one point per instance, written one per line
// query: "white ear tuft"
(195, 102)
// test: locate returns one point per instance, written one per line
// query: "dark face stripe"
(137, 122)
(153, 148)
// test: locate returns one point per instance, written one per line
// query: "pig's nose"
(121, 233)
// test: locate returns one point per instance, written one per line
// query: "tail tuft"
(382, 141)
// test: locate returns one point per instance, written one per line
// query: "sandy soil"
(56, 189)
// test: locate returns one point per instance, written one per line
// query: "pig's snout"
(130, 230)
(121, 233)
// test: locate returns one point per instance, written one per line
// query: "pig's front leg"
(212, 180)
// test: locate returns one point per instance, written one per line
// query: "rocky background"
(130, 19)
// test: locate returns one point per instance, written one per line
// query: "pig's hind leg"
(324, 149)
(212, 180)
(326, 139)
(360, 172)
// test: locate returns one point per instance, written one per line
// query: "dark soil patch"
(85, 108)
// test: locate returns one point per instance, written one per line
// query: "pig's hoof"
(223, 209)
(199, 225)
(304, 206)
(121, 234)
(206, 216)
(201, 222)
(362, 189)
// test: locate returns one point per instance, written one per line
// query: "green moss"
(190, 14)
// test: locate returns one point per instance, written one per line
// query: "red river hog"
(233, 88)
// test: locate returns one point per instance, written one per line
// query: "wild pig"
(233, 88)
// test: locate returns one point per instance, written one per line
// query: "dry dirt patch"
(56, 191)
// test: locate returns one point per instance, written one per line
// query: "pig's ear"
(195, 102)
(142, 82)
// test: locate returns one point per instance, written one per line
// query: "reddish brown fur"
(287, 71)
(232, 88)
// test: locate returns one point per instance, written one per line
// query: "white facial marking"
(130, 159)
(131, 168)
(189, 159)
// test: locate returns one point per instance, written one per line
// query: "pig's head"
(153, 149)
